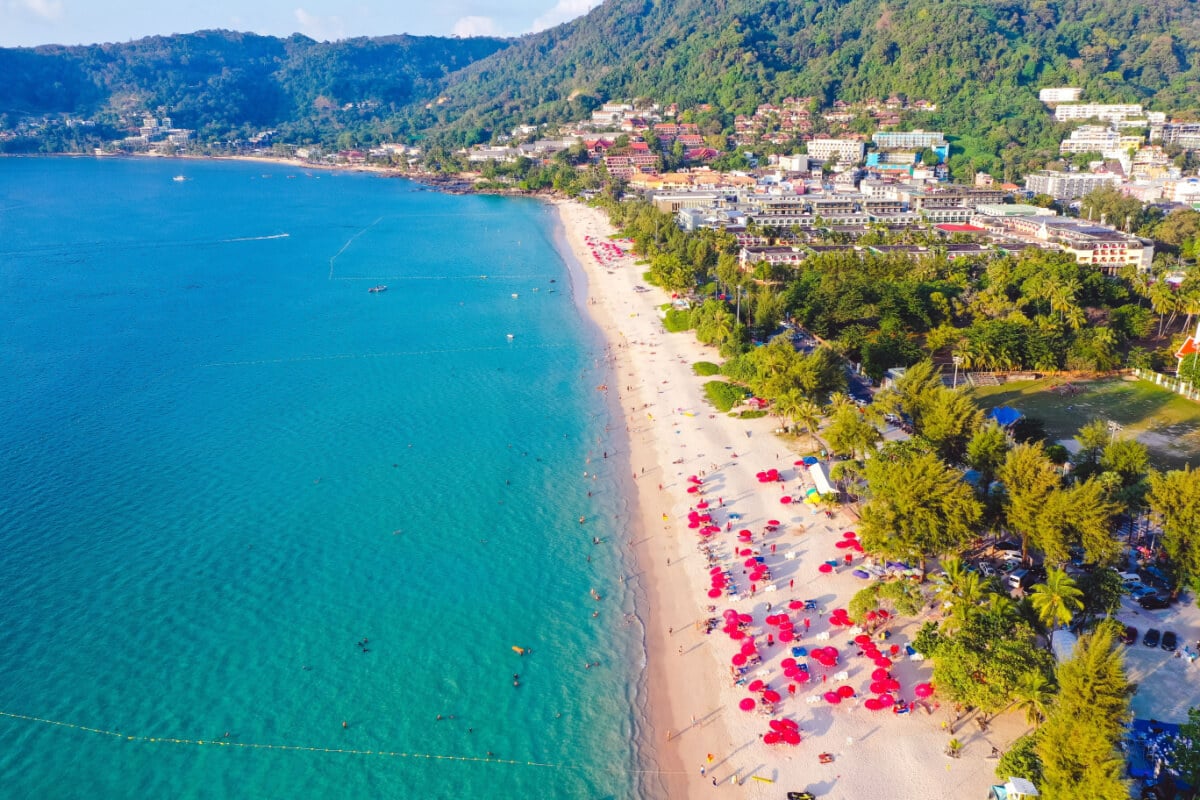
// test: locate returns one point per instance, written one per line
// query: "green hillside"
(222, 82)
(980, 60)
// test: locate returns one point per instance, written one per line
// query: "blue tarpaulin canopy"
(1005, 415)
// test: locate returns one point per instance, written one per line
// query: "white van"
(1017, 579)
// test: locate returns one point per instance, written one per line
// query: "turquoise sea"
(224, 466)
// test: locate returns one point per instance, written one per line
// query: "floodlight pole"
(957, 360)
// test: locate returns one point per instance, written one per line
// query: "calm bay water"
(224, 464)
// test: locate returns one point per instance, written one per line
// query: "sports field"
(1166, 423)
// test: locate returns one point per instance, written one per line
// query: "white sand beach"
(695, 712)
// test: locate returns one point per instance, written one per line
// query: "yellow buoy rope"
(290, 747)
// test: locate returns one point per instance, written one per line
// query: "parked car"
(1154, 602)
(1010, 546)
(1151, 638)
(1170, 641)
(1139, 591)
(986, 569)
(1009, 555)
(1129, 635)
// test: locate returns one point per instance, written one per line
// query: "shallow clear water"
(224, 463)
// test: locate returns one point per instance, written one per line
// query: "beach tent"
(819, 479)
(1015, 789)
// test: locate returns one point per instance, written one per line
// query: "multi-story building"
(1182, 134)
(1110, 112)
(909, 140)
(1060, 94)
(844, 151)
(1068, 185)
(1098, 139)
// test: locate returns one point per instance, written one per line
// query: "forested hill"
(219, 82)
(980, 60)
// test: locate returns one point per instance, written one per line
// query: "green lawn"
(1166, 423)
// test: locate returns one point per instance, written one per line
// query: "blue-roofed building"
(1005, 416)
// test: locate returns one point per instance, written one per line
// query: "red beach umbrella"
(873, 703)
(714, 593)
(849, 535)
(796, 604)
(862, 639)
(825, 568)
(771, 738)
(833, 697)
(747, 704)
(777, 725)
(736, 634)
(787, 636)
(871, 615)
(880, 674)
(923, 690)
(845, 690)
(738, 660)
(749, 562)
(771, 696)
(745, 619)
(883, 614)
(703, 504)
(886, 700)
(791, 737)
(772, 522)
(716, 570)
(883, 661)
(843, 544)
(880, 687)
(755, 686)
(748, 648)
(785, 499)
(693, 489)
(787, 662)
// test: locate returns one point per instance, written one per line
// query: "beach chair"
(790, 555)
(841, 676)
(825, 758)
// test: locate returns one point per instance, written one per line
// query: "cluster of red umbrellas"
(747, 654)
(825, 656)
(786, 632)
(695, 482)
(602, 251)
(849, 542)
(840, 617)
(795, 671)
(719, 582)
(782, 730)
(768, 476)
(758, 570)
(843, 692)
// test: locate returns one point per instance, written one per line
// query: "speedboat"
(377, 289)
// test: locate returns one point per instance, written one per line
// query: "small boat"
(179, 178)
(377, 289)
(510, 337)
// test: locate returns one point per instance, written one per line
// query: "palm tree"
(1056, 600)
(1163, 301)
(961, 588)
(1033, 695)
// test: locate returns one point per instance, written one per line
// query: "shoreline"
(696, 735)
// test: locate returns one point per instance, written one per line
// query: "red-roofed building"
(701, 154)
